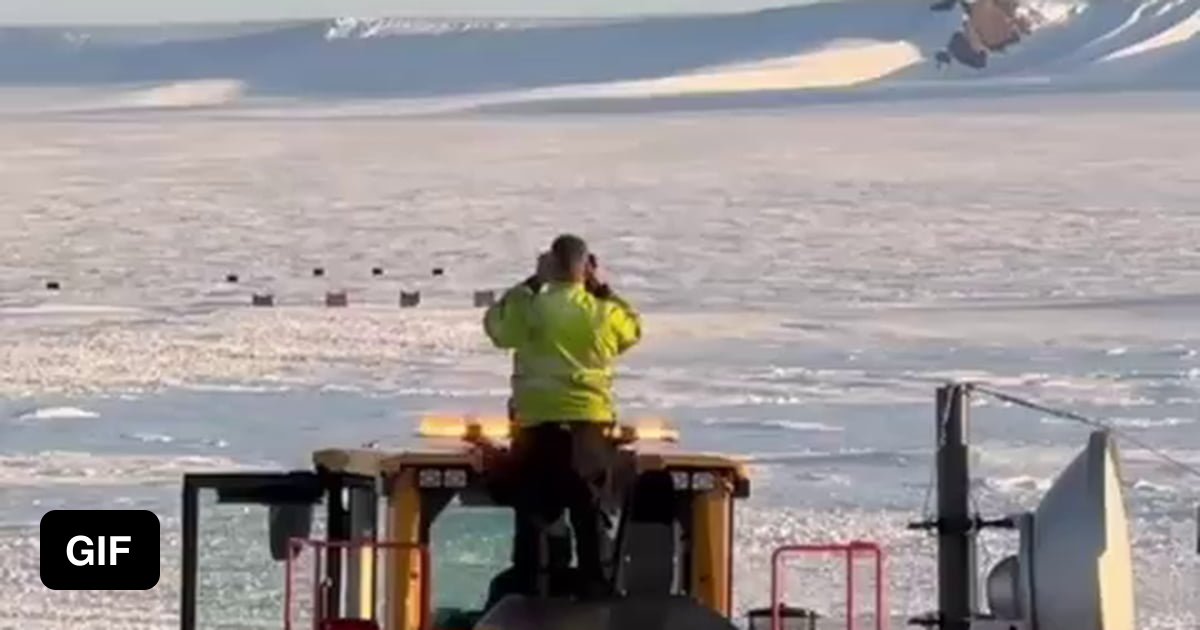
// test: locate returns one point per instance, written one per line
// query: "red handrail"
(296, 545)
(850, 549)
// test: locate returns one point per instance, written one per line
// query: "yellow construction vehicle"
(376, 566)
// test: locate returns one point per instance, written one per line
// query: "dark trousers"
(561, 466)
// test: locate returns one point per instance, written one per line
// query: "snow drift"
(832, 45)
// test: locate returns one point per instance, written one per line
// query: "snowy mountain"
(900, 44)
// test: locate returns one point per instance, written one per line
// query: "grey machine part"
(1074, 567)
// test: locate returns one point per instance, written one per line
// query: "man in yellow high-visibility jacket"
(566, 328)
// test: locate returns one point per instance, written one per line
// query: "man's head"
(570, 255)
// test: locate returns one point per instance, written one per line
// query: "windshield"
(470, 546)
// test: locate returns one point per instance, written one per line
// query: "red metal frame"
(850, 551)
(297, 545)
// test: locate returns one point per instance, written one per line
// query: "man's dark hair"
(568, 251)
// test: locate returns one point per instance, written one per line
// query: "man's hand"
(595, 283)
(542, 274)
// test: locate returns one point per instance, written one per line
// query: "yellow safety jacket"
(565, 340)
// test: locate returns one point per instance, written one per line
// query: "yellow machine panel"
(711, 481)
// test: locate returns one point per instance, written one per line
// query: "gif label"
(100, 550)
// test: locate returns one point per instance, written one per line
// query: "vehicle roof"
(379, 462)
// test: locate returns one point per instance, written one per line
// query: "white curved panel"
(1082, 574)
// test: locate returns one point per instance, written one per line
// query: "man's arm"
(625, 324)
(506, 321)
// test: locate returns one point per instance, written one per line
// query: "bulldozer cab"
(415, 539)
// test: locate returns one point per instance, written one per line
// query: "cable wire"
(1085, 420)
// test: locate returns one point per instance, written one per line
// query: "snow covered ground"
(807, 275)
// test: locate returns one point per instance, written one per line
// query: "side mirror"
(286, 521)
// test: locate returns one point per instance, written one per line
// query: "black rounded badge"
(100, 550)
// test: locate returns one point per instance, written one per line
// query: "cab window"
(469, 546)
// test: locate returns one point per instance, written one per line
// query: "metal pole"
(850, 587)
(337, 528)
(881, 615)
(360, 570)
(956, 568)
(776, 594)
(189, 546)
(292, 550)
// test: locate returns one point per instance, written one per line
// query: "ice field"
(807, 278)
